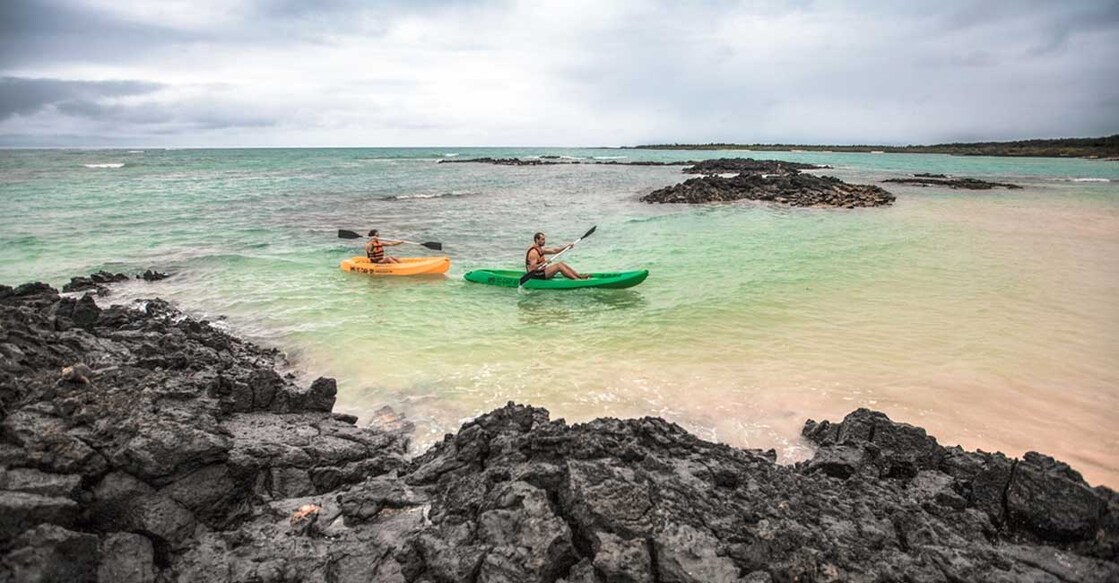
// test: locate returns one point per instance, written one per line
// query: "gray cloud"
(27, 96)
(53, 31)
(199, 115)
(46, 32)
(68, 108)
(444, 72)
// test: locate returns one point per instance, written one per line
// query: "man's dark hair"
(373, 232)
(537, 236)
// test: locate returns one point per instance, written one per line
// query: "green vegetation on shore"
(1102, 147)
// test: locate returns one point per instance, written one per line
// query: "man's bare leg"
(565, 269)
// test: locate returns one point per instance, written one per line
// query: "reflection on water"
(552, 307)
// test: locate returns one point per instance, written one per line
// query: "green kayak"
(510, 278)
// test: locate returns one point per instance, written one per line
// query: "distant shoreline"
(1103, 148)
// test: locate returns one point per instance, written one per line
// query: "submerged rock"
(942, 180)
(187, 457)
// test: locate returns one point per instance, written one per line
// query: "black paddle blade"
(433, 245)
(588, 233)
(527, 276)
(344, 234)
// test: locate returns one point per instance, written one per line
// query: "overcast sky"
(430, 73)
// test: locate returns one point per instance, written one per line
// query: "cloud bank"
(350, 73)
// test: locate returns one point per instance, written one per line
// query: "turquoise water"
(988, 317)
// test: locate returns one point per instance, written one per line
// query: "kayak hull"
(511, 278)
(407, 266)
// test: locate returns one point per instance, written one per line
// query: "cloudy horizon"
(273, 73)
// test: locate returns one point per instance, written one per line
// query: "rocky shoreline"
(139, 444)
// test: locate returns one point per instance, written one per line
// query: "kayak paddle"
(344, 234)
(528, 274)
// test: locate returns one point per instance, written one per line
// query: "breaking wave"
(426, 195)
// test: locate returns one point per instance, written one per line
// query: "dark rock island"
(790, 188)
(138, 444)
(502, 161)
(776, 181)
(749, 165)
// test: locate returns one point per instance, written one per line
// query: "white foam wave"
(425, 195)
(1090, 180)
(115, 165)
(610, 157)
(135, 151)
(569, 157)
(451, 155)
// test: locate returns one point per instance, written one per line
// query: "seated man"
(375, 249)
(537, 265)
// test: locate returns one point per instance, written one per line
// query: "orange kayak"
(407, 266)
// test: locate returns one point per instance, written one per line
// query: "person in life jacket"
(375, 248)
(536, 264)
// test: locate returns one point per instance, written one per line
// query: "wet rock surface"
(954, 183)
(99, 282)
(188, 457)
(95, 282)
(503, 161)
(750, 165)
(789, 188)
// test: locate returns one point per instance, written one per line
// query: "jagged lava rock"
(793, 189)
(188, 457)
(749, 165)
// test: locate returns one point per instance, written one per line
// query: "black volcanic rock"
(502, 161)
(152, 275)
(942, 180)
(748, 165)
(188, 457)
(95, 281)
(793, 189)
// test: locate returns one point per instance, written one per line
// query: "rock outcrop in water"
(943, 180)
(791, 188)
(502, 161)
(142, 445)
(749, 165)
(99, 282)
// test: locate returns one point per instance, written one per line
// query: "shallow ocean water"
(988, 317)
